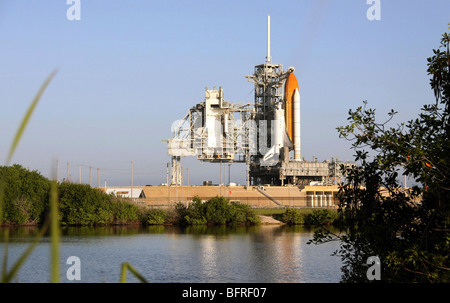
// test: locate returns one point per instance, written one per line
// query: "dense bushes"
(217, 210)
(25, 195)
(293, 216)
(126, 213)
(309, 218)
(321, 217)
(242, 213)
(26, 200)
(156, 217)
(83, 205)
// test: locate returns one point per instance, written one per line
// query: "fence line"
(307, 201)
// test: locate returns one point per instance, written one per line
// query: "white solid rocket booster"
(296, 101)
(279, 127)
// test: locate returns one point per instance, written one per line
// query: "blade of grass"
(5, 255)
(6, 277)
(54, 232)
(10, 275)
(127, 266)
(2, 196)
(28, 116)
(19, 135)
(55, 237)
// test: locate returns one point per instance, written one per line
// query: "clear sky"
(128, 69)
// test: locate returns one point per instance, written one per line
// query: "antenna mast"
(268, 58)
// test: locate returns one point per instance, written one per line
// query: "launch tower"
(262, 134)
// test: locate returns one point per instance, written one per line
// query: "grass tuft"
(7, 276)
(27, 117)
(123, 276)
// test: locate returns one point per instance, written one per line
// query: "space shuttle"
(287, 116)
(292, 113)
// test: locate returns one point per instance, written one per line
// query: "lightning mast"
(268, 79)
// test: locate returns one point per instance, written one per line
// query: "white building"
(126, 192)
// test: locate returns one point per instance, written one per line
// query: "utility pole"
(168, 184)
(220, 173)
(187, 195)
(167, 174)
(131, 179)
(225, 179)
(181, 196)
(247, 166)
(229, 179)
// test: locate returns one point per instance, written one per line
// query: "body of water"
(168, 254)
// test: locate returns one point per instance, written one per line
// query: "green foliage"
(26, 195)
(316, 217)
(407, 229)
(83, 205)
(180, 211)
(293, 216)
(217, 211)
(124, 212)
(195, 213)
(320, 217)
(156, 217)
(26, 200)
(240, 213)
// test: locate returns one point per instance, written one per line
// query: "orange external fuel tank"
(289, 88)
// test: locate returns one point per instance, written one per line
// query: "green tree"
(195, 213)
(240, 213)
(407, 229)
(156, 217)
(217, 210)
(319, 217)
(293, 216)
(26, 195)
(81, 204)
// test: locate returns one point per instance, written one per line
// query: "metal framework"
(218, 131)
(214, 130)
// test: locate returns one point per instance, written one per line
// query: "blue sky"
(128, 69)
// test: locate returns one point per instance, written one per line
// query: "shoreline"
(264, 220)
(267, 220)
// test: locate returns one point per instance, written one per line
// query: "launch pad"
(261, 135)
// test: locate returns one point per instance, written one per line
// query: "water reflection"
(265, 253)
